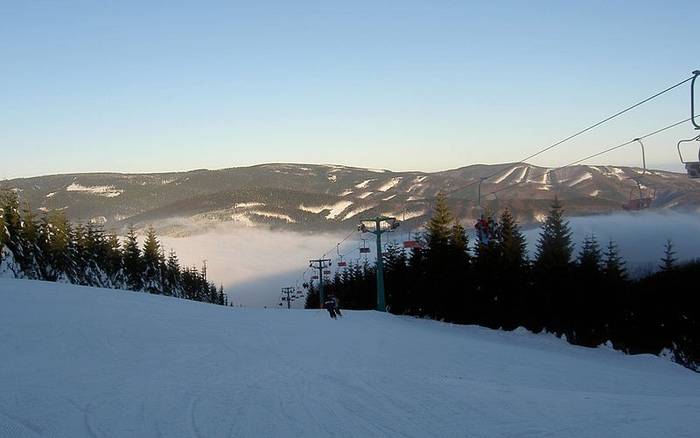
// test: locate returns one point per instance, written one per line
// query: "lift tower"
(375, 227)
(320, 264)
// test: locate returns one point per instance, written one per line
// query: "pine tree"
(512, 276)
(438, 233)
(30, 256)
(552, 300)
(587, 307)
(613, 266)
(133, 263)
(395, 278)
(172, 275)
(151, 260)
(438, 228)
(113, 261)
(60, 247)
(668, 262)
(511, 241)
(554, 247)
(590, 257)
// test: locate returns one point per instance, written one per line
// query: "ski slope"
(82, 362)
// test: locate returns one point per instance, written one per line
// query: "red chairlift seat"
(411, 244)
(642, 201)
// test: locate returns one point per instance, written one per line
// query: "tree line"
(51, 248)
(586, 297)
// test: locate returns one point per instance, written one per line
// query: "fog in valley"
(254, 263)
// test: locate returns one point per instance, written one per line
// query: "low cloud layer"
(639, 236)
(253, 264)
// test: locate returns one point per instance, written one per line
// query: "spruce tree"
(395, 277)
(511, 241)
(552, 272)
(60, 247)
(113, 261)
(587, 308)
(512, 277)
(439, 227)
(30, 257)
(151, 261)
(438, 233)
(668, 262)
(613, 265)
(133, 264)
(590, 257)
(554, 247)
(172, 275)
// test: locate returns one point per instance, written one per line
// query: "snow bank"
(82, 362)
(390, 184)
(106, 191)
(334, 210)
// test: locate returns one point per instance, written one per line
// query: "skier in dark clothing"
(336, 307)
(329, 305)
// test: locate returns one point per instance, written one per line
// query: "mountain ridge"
(305, 197)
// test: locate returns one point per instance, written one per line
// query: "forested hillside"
(51, 248)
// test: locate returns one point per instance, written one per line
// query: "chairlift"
(644, 197)
(314, 277)
(364, 249)
(327, 272)
(410, 243)
(692, 167)
(341, 263)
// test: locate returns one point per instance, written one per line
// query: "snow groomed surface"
(82, 362)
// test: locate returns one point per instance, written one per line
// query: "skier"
(336, 308)
(329, 305)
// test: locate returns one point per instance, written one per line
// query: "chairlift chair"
(410, 243)
(364, 249)
(341, 263)
(645, 196)
(692, 167)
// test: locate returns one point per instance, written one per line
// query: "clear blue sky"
(155, 86)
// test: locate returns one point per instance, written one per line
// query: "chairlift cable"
(597, 154)
(582, 131)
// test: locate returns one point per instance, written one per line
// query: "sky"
(133, 86)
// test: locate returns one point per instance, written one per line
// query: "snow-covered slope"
(82, 362)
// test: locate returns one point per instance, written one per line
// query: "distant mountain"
(325, 197)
